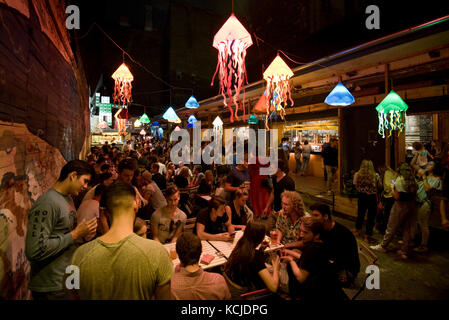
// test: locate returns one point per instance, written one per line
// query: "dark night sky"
(281, 24)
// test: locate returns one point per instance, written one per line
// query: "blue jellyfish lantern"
(339, 96)
(192, 103)
(170, 115)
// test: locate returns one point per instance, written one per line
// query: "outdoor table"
(221, 250)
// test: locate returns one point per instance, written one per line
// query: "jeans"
(364, 203)
(423, 221)
(382, 219)
(403, 214)
(305, 162)
(331, 171)
(298, 164)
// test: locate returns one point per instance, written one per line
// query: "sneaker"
(421, 249)
(402, 254)
(378, 247)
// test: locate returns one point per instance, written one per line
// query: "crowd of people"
(111, 215)
(402, 200)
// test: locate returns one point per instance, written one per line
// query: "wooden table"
(221, 250)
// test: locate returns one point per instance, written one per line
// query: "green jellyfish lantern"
(392, 113)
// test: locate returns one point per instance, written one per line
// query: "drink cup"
(173, 254)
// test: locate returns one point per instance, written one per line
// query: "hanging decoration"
(261, 105)
(177, 120)
(191, 122)
(170, 115)
(218, 126)
(192, 103)
(278, 91)
(137, 123)
(191, 119)
(339, 96)
(121, 117)
(102, 125)
(122, 88)
(144, 119)
(231, 41)
(160, 133)
(392, 114)
(253, 119)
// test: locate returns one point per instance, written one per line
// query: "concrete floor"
(421, 277)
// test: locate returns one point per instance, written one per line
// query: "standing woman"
(388, 175)
(298, 150)
(306, 150)
(403, 213)
(365, 181)
(245, 270)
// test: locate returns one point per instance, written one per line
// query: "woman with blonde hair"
(288, 222)
(365, 181)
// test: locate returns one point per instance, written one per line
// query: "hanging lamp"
(392, 114)
(340, 96)
(231, 41)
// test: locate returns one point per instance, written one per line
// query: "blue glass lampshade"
(170, 114)
(192, 103)
(191, 119)
(156, 124)
(340, 96)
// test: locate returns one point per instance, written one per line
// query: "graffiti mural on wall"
(29, 166)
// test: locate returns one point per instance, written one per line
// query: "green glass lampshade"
(144, 119)
(392, 102)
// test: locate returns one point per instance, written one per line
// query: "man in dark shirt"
(211, 222)
(236, 178)
(281, 182)
(330, 160)
(158, 178)
(312, 277)
(341, 244)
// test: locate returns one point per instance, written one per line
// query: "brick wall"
(44, 118)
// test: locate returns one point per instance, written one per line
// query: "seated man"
(313, 276)
(190, 282)
(340, 242)
(211, 222)
(120, 264)
(168, 222)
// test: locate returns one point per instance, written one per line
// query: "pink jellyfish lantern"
(122, 88)
(231, 41)
(121, 117)
(278, 91)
